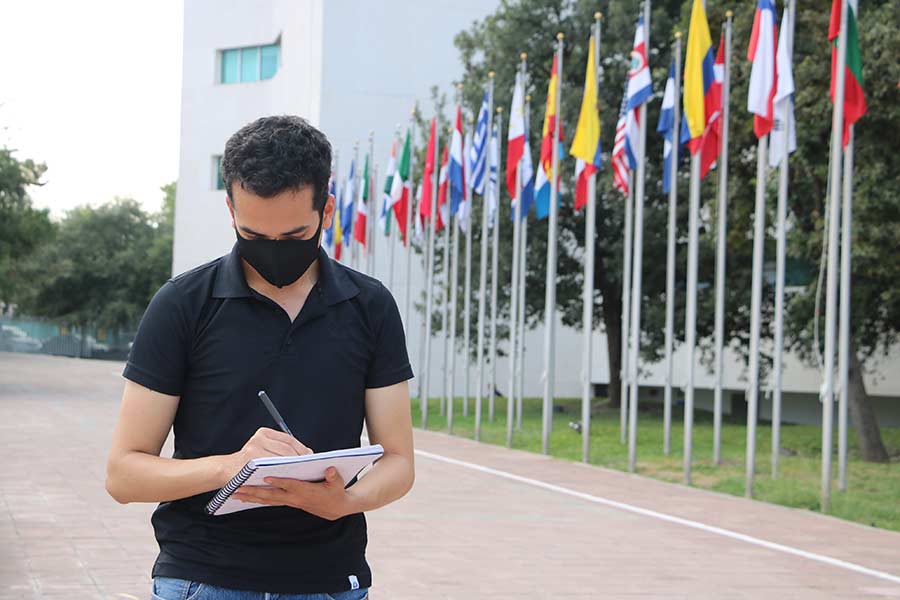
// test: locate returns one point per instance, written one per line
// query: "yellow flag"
(587, 136)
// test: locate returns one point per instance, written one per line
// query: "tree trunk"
(612, 318)
(862, 416)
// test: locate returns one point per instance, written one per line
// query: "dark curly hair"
(277, 153)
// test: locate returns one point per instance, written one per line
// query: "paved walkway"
(481, 522)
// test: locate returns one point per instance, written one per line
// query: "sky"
(93, 89)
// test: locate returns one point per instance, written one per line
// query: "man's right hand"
(265, 442)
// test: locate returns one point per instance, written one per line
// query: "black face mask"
(280, 262)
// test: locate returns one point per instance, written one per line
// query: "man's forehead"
(302, 195)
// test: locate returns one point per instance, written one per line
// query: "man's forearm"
(389, 480)
(142, 477)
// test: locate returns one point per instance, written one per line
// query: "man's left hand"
(326, 499)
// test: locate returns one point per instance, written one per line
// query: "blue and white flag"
(479, 149)
(666, 124)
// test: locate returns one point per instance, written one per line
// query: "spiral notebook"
(309, 467)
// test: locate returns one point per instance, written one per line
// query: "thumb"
(331, 474)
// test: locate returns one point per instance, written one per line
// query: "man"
(327, 345)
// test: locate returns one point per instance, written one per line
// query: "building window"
(254, 63)
(217, 183)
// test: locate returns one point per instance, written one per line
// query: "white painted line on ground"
(835, 562)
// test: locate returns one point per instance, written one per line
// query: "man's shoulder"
(199, 279)
(370, 288)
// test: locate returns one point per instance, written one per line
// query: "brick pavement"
(461, 533)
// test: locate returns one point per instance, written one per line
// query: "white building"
(351, 67)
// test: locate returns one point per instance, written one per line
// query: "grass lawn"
(873, 490)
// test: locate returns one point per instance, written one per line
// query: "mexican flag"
(384, 218)
(854, 98)
(400, 186)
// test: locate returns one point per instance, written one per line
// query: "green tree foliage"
(531, 25)
(103, 266)
(22, 227)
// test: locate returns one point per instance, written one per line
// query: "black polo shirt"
(215, 342)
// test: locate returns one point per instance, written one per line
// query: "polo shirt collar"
(333, 282)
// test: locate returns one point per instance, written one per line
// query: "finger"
(263, 495)
(287, 484)
(249, 498)
(299, 447)
(278, 447)
(333, 476)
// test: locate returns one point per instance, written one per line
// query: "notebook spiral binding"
(223, 494)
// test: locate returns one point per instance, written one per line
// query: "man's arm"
(389, 423)
(135, 472)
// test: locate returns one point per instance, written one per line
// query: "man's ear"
(230, 210)
(328, 213)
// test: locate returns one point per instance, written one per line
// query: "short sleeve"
(158, 356)
(390, 364)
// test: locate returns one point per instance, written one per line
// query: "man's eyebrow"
(291, 232)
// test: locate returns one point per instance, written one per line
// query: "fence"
(24, 334)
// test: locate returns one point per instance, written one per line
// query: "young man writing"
(324, 341)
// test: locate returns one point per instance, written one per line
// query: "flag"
(428, 172)
(623, 159)
(709, 151)
(464, 207)
(699, 74)
(338, 234)
(784, 98)
(420, 222)
(347, 202)
(329, 233)
(666, 126)
(385, 215)
(456, 169)
(494, 168)
(854, 97)
(640, 86)
(545, 168)
(586, 143)
(443, 215)
(400, 187)
(762, 73)
(527, 176)
(516, 138)
(359, 226)
(478, 149)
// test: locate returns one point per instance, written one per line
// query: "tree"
(530, 26)
(103, 266)
(22, 227)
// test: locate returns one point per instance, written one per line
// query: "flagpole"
(511, 395)
(410, 209)
(520, 399)
(357, 176)
(626, 309)
(467, 302)
(690, 327)
(454, 278)
(445, 277)
(337, 199)
(670, 248)
(429, 278)
(720, 249)
(550, 302)
(588, 292)
(392, 237)
(844, 323)
(837, 128)
(777, 366)
(637, 265)
(370, 211)
(495, 249)
(482, 275)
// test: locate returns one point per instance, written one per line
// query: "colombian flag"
(586, 145)
(545, 169)
(698, 77)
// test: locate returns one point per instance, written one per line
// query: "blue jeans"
(170, 588)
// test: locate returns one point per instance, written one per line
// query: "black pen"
(274, 412)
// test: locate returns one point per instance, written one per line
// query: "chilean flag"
(457, 173)
(763, 75)
(709, 151)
